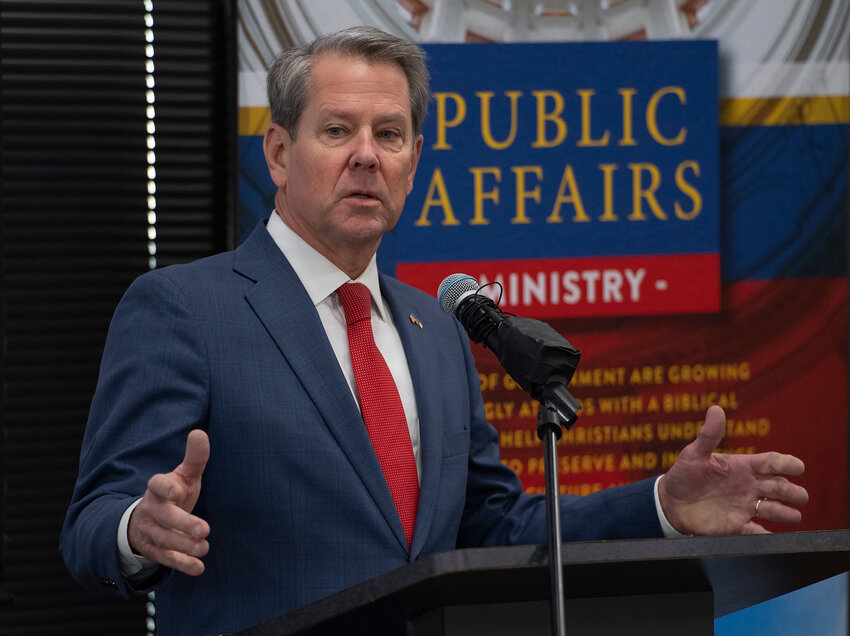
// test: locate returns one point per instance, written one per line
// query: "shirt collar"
(320, 277)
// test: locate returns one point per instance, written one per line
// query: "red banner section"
(586, 287)
(774, 359)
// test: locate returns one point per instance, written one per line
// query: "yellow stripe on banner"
(785, 111)
(253, 120)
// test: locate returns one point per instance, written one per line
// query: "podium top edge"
(740, 570)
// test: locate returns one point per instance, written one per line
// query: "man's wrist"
(131, 563)
(666, 527)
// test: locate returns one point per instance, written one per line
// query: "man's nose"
(364, 152)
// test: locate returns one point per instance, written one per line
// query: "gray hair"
(289, 84)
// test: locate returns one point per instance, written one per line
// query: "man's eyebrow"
(333, 112)
(397, 118)
(336, 112)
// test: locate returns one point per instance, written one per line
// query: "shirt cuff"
(669, 531)
(132, 565)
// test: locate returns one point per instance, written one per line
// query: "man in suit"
(244, 365)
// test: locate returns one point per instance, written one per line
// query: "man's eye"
(387, 134)
(334, 131)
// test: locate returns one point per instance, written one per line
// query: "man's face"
(345, 179)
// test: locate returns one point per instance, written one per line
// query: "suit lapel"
(283, 306)
(423, 369)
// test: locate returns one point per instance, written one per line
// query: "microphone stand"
(542, 362)
(550, 420)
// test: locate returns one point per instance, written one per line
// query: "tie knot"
(356, 302)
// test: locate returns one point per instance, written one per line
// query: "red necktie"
(380, 405)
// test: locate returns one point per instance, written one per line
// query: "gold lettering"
(568, 180)
(443, 122)
(639, 193)
(479, 194)
(688, 190)
(486, 131)
(627, 139)
(554, 116)
(438, 185)
(522, 194)
(608, 191)
(586, 139)
(652, 116)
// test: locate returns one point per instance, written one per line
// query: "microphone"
(537, 357)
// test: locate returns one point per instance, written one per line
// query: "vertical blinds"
(75, 229)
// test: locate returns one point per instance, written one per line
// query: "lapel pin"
(415, 321)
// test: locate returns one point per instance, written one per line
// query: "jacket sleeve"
(152, 390)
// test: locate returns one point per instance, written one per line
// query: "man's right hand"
(162, 527)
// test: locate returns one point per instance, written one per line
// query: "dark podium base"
(655, 587)
(638, 615)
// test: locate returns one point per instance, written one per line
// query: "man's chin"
(367, 228)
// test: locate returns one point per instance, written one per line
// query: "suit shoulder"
(207, 277)
(256, 256)
(208, 266)
(403, 290)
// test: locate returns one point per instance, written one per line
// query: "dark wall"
(76, 228)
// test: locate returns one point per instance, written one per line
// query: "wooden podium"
(654, 587)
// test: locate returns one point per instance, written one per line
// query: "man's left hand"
(708, 493)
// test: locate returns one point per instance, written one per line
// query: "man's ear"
(276, 144)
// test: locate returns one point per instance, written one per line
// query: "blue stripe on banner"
(256, 189)
(783, 201)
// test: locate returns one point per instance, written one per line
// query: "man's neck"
(352, 261)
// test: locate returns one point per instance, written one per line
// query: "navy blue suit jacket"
(293, 492)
